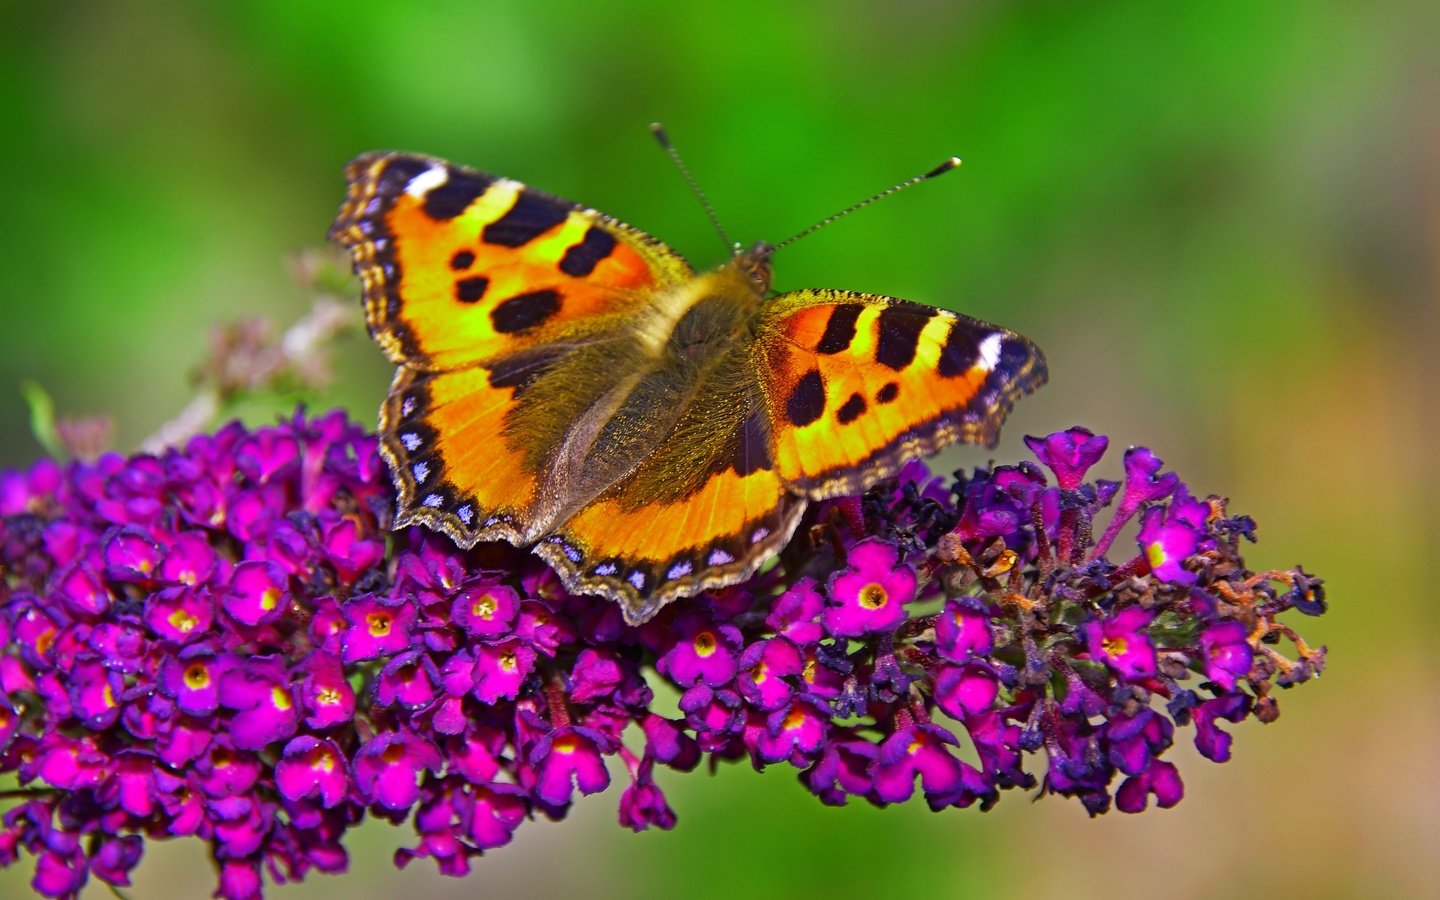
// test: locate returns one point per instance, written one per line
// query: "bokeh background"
(1220, 220)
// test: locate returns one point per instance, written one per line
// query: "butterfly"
(569, 383)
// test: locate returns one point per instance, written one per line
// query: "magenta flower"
(1069, 454)
(1120, 640)
(768, 671)
(312, 767)
(265, 711)
(566, 760)
(1226, 653)
(702, 652)
(376, 628)
(796, 613)
(486, 610)
(869, 595)
(223, 641)
(962, 632)
(1167, 542)
(642, 805)
(1161, 779)
(388, 769)
(917, 751)
(500, 670)
(257, 593)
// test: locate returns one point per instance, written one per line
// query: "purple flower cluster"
(225, 641)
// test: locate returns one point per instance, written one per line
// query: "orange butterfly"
(569, 382)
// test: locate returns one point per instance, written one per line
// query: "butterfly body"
(569, 383)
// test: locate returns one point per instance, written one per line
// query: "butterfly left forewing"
(459, 266)
(857, 384)
(474, 285)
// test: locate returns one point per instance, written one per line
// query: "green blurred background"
(1221, 221)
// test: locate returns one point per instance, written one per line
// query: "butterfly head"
(755, 264)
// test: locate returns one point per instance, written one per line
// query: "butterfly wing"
(459, 266)
(454, 468)
(474, 285)
(857, 384)
(704, 509)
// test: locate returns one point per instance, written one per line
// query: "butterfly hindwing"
(459, 266)
(442, 434)
(857, 384)
(683, 522)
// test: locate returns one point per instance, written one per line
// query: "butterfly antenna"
(659, 131)
(947, 165)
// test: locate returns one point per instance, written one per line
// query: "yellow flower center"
(327, 697)
(484, 607)
(197, 676)
(873, 596)
(760, 673)
(507, 661)
(705, 643)
(280, 698)
(1155, 552)
(270, 599)
(1114, 646)
(379, 624)
(183, 621)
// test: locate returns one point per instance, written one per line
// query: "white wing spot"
(427, 181)
(990, 352)
(407, 407)
(411, 440)
(465, 513)
(421, 470)
(605, 569)
(760, 534)
(637, 579)
(434, 501)
(679, 570)
(719, 557)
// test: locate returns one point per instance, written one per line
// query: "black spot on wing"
(525, 311)
(888, 393)
(448, 200)
(530, 217)
(462, 260)
(582, 258)
(1014, 355)
(899, 335)
(960, 351)
(807, 401)
(839, 329)
(851, 410)
(470, 290)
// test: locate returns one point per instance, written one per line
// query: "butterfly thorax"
(661, 373)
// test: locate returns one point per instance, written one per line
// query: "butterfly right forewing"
(857, 384)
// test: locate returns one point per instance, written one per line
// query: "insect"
(569, 383)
